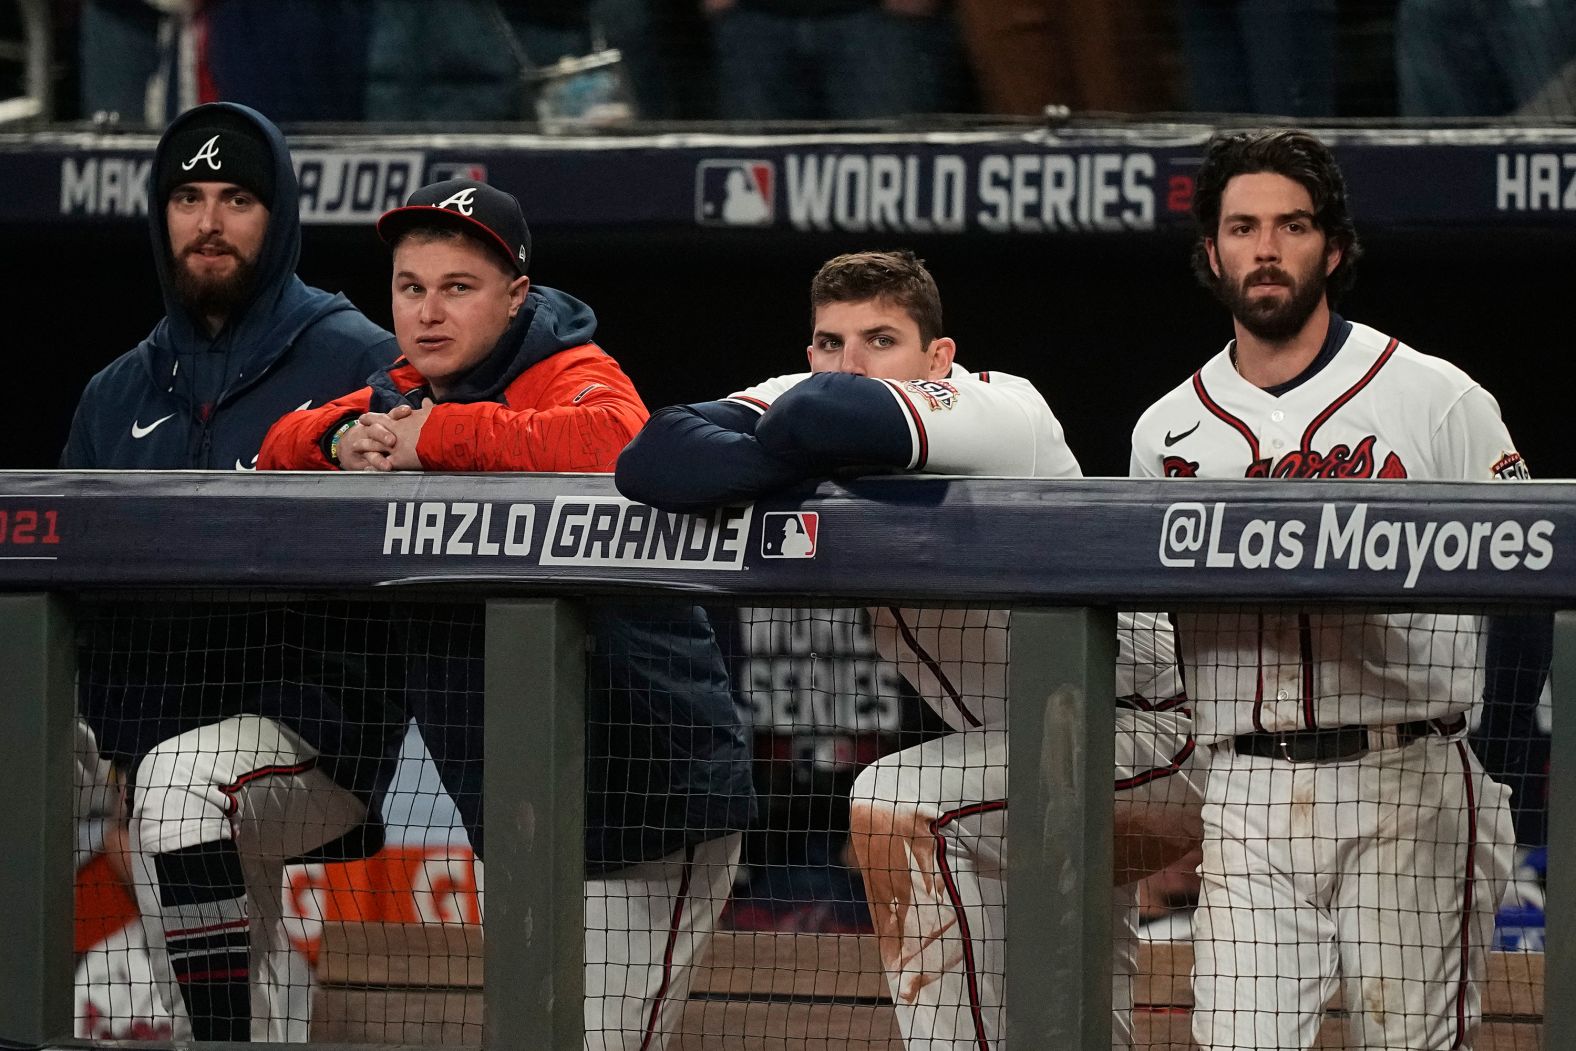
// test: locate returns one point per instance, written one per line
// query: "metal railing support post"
(1060, 754)
(36, 824)
(534, 801)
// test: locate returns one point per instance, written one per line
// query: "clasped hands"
(385, 441)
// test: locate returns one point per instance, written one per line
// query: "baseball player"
(929, 823)
(1349, 829)
(250, 733)
(499, 374)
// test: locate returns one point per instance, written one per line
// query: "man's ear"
(939, 358)
(1212, 255)
(517, 291)
(1333, 254)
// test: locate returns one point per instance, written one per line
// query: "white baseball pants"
(251, 780)
(929, 827)
(1385, 869)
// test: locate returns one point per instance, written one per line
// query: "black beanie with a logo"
(217, 144)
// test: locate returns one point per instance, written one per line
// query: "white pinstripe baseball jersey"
(1375, 409)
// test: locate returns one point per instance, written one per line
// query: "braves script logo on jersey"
(1339, 461)
(1350, 539)
(789, 534)
(936, 393)
(209, 153)
(736, 193)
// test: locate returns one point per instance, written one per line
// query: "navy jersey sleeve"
(692, 457)
(835, 420)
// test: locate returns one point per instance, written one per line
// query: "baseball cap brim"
(395, 222)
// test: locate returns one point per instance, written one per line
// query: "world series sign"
(993, 181)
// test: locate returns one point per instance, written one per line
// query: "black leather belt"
(1342, 742)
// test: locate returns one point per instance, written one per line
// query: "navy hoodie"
(182, 400)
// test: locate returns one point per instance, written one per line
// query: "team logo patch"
(209, 153)
(937, 394)
(736, 193)
(462, 202)
(1511, 467)
(789, 534)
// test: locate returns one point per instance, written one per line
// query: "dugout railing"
(1063, 555)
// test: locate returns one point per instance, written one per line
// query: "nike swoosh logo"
(138, 431)
(239, 466)
(1172, 439)
(304, 405)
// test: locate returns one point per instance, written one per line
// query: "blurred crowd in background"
(141, 61)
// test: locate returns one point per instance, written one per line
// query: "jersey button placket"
(1275, 431)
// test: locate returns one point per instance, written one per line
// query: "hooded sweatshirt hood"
(550, 321)
(280, 305)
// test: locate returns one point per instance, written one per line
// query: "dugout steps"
(422, 984)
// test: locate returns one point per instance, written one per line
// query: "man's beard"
(1272, 318)
(214, 296)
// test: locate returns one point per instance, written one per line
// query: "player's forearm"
(1516, 657)
(682, 461)
(834, 420)
(295, 441)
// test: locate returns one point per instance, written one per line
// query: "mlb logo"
(736, 193)
(789, 534)
(443, 171)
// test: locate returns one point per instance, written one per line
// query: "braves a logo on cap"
(789, 534)
(462, 202)
(736, 193)
(209, 153)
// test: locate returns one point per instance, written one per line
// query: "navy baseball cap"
(465, 204)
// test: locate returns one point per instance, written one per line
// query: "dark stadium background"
(1103, 324)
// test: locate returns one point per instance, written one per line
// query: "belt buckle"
(1283, 743)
